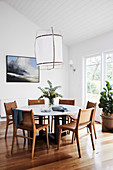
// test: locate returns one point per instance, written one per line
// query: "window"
(93, 78)
(109, 67)
(98, 68)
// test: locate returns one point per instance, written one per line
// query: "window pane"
(93, 78)
(109, 67)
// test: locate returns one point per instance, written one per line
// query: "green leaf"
(108, 85)
(106, 99)
(102, 100)
(103, 93)
(49, 92)
(41, 89)
(59, 95)
(50, 84)
(104, 89)
(40, 97)
(47, 88)
(45, 92)
(54, 89)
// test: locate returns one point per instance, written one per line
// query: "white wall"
(17, 36)
(77, 52)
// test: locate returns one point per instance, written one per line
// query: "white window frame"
(84, 77)
(104, 54)
(103, 73)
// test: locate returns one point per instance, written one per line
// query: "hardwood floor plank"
(65, 158)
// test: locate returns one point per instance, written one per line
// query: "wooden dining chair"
(9, 118)
(64, 102)
(84, 120)
(67, 102)
(92, 105)
(38, 102)
(28, 123)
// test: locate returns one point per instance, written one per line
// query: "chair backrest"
(28, 119)
(92, 105)
(36, 102)
(66, 102)
(84, 117)
(9, 107)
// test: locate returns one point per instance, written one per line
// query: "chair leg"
(33, 145)
(44, 119)
(68, 119)
(68, 132)
(78, 145)
(6, 129)
(73, 137)
(28, 132)
(52, 124)
(24, 135)
(59, 138)
(47, 137)
(48, 122)
(17, 141)
(14, 134)
(59, 121)
(90, 128)
(94, 130)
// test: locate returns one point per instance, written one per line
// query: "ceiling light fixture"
(48, 49)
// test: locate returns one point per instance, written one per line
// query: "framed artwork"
(22, 69)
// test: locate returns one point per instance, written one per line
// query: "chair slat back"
(84, 116)
(9, 107)
(92, 105)
(36, 102)
(66, 102)
(28, 119)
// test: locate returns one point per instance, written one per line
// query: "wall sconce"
(71, 65)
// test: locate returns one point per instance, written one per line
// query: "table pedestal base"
(52, 136)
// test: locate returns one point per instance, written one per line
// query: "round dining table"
(45, 110)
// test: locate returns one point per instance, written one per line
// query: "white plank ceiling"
(78, 20)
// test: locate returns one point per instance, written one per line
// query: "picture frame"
(22, 69)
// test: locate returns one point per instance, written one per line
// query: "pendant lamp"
(48, 49)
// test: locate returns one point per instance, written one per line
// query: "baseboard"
(3, 119)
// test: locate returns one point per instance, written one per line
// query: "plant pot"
(107, 123)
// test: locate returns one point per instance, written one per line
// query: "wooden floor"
(65, 158)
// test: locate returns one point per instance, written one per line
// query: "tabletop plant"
(106, 99)
(50, 92)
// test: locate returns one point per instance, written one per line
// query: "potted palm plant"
(106, 103)
(50, 93)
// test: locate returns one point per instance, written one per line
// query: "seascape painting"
(22, 69)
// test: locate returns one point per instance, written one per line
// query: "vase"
(51, 102)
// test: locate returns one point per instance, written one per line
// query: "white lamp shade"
(48, 50)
